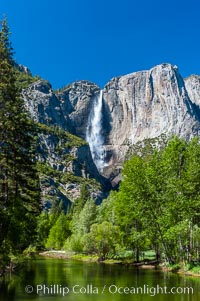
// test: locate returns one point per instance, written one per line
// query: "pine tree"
(19, 183)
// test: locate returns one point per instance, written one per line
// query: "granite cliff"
(147, 104)
(64, 160)
(192, 84)
(138, 106)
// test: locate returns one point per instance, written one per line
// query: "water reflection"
(63, 273)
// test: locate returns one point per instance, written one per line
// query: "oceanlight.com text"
(90, 289)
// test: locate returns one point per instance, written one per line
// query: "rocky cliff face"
(67, 108)
(44, 106)
(147, 104)
(76, 101)
(137, 106)
(192, 85)
(65, 164)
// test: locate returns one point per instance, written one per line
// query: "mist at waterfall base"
(94, 132)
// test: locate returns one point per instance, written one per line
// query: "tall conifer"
(19, 183)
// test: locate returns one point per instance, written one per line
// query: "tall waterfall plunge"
(94, 132)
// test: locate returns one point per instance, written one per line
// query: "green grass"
(195, 270)
(86, 258)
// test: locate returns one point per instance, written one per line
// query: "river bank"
(93, 281)
(183, 270)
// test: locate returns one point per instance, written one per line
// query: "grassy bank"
(184, 269)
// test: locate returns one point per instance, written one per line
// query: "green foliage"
(19, 181)
(67, 138)
(83, 217)
(147, 147)
(157, 205)
(23, 79)
(6, 49)
(46, 169)
(74, 243)
(102, 239)
(43, 228)
(84, 196)
(58, 233)
(156, 208)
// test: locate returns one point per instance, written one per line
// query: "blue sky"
(68, 40)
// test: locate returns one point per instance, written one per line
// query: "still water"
(60, 280)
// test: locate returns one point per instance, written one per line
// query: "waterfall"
(94, 132)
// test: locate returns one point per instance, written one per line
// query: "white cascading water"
(94, 132)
